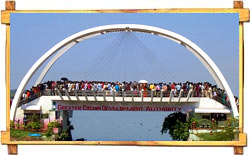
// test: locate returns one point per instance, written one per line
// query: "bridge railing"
(223, 101)
(130, 93)
(127, 93)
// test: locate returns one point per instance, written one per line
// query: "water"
(119, 126)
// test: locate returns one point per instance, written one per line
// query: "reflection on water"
(118, 126)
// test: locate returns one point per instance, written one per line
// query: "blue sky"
(217, 34)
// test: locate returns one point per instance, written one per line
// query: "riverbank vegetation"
(180, 127)
(22, 135)
(33, 130)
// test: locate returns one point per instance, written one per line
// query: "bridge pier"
(65, 120)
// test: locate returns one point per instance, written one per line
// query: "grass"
(20, 135)
(218, 136)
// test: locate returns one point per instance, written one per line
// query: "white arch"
(70, 41)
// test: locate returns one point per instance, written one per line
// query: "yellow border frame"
(244, 16)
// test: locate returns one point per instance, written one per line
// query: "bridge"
(123, 96)
(66, 101)
(172, 96)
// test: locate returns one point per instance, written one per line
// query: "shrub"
(34, 118)
(44, 116)
(49, 132)
(25, 126)
(205, 123)
(63, 136)
(29, 125)
(35, 125)
(195, 121)
(54, 124)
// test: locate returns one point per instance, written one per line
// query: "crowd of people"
(199, 89)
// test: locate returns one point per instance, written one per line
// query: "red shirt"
(28, 94)
(173, 86)
(89, 86)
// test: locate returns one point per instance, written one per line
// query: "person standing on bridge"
(173, 89)
(99, 86)
(27, 94)
(89, 86)
(77, 86)
(95, 87)
(117, 87)
(178, 88)
(158, 88)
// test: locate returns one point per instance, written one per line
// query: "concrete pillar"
(104, 95)
(189, 94)
(180, 94)
(67, 94)
(75, 91)
(123, 95)
(65, 121)
(152, 95)
(161, 95)
(94, 95)
(171, 95)
(85, 94)
(132, 95)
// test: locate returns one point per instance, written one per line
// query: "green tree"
(181, 131)
(231, 130)
(176, 125)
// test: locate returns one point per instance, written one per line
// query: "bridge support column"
(142, 95)
(152, 96)
(113, 92)
(132, 95)
(94, 95)
(67, 94)
(180, 94)
(59, 93)
(104, 95)
(123, 96)
(75, 91)
(65, 121)
(86, 97)
(171, 95)
(189, 94)
(161, 95)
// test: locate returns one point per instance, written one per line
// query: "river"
(119, 126)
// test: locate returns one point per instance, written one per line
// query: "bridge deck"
(126, 96)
